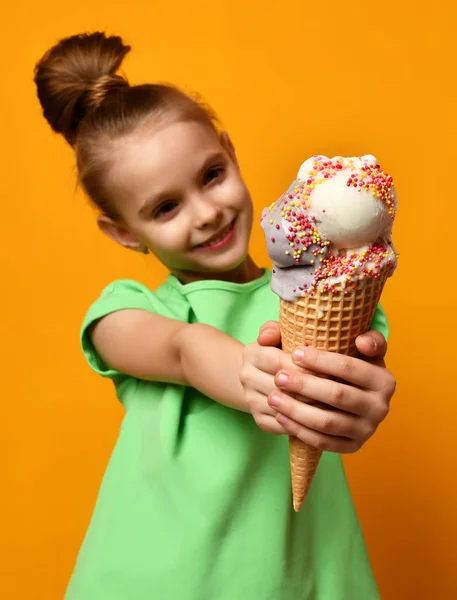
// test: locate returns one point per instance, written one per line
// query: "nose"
(207, 212)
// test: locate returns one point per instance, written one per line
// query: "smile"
(219, 240)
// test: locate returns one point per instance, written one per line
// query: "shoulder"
(120, 295)
(125, 294)
(126, 287)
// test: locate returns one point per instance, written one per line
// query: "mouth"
(220, 239)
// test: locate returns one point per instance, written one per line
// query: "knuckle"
(370, 429)
(244, 375)
(391, 384)
(383, 411)
(337, 395)
(345, 366)
(323, 443)
(327, 423)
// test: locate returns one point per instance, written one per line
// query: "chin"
(220, 267)
(225, 262)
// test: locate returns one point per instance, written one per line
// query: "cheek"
(238, 195)
(246, 204)
(172, 237)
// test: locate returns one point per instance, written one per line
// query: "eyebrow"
(155, 199)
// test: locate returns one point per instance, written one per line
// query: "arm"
(155, 348)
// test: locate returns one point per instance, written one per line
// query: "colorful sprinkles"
(302, 234)
(353, 266)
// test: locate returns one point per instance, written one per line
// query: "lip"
(221, 243)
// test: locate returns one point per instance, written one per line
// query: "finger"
(321, 441)
(269, 334)
(269, 325)
(326, 392)
(345, 368)
(258, 405)
(335, 423)
(264, 384)
(372, 344)
(270, 425)
(269, 360)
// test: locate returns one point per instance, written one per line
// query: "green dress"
(196, 502)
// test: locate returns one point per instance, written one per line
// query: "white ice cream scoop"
(349, 216)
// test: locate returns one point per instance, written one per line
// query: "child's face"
(179, 192)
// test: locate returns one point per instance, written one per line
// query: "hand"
(261, 361)
(357, 398)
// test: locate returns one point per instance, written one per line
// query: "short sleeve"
(379, 322)
(121, 295)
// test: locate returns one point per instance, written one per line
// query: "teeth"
(219, 238)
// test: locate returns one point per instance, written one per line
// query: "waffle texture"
(330, 321)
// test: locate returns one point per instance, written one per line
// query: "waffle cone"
(329, 321)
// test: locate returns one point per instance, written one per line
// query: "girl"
(195, 503)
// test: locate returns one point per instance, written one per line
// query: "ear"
(118, 233)
(229, 147)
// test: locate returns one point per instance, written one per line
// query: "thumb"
(372, 344)
(269, 334)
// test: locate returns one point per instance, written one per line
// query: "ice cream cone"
(329, 238)
(330, 321)
(304, 460)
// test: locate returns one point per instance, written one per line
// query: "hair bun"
(102, 86)
(75, 76)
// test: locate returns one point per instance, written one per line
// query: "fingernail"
(282, 419)
(282, 379)
(298, 354)
(274, 401)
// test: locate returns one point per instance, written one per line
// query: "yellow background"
(289, 79)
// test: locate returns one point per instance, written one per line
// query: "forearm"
(151, 347)
(211, 361)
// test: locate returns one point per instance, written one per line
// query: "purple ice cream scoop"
(294, 244)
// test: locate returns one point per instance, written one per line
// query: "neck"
(244, 273)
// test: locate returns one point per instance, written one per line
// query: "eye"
(212, 174)
(165, 209)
